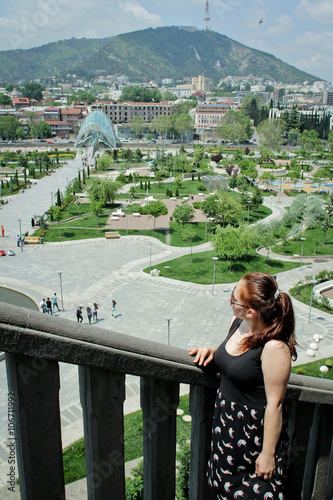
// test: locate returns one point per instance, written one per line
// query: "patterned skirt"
(237, 437)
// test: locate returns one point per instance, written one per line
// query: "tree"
(5, 100)
(32, 90)
(132, 192)
(137, 126)
(96, 208)
(309, 140)
(56, 215)
(136, 93)
(230, 242)
(183, 213)
(223, 208)
(271, 132)
(248, 168)
(266, 177)
(330, 140)
(235, 126)
(156, 209)
(161, 125)
(103, 190)
(189, 234)
(184, 123)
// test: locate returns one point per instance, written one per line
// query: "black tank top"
(242, 380)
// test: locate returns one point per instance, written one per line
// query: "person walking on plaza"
(79, 315)
(55, 302)
(18, 241)
(249, 444)
(94, 311)
(43, 306)
(89, 314)
(49, 306)
(3, 231)
(113, 308)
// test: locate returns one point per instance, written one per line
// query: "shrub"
(202, 187)
(329, 363)
(134, 487)
(183, 476)
(300, 371)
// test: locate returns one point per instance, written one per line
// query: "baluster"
(159, 402)
(102, 395)
(201, 409)
(35, 384)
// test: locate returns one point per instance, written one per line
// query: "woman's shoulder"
(276, 347)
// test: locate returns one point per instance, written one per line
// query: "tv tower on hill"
(207, 18)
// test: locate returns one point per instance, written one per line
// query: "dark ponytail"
(259, 291)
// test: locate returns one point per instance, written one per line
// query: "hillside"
(149, 54)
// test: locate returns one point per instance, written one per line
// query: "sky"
(299, 32)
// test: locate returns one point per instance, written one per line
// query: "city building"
(201, 84)
(209, 115)
(123, 112)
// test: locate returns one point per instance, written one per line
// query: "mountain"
(151, 54)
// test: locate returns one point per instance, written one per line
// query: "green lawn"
(312, 369)
(201, 270)
(303, 294)
(74, 455)
(313, 245)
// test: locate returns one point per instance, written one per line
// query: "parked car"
(2, 253)
(49, 142)
(10, 252)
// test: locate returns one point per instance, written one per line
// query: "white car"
(10, 252)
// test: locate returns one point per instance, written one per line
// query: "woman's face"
(239, 309)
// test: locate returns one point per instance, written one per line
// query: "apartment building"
(123, 112)
(208, 115)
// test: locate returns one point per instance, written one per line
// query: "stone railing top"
(29, 332)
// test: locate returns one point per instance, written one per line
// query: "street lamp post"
(168, 318)
(126, 220)
(214, 259)
(150, 257)
(312, 282)
(51, 199)
(61, 294)
(21, 245)
(302, 240)
(206, 215)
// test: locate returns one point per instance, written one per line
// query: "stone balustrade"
(34, 346)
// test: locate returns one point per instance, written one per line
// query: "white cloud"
(139, 12)
(315, 10)
(36, 22)
(283, 25)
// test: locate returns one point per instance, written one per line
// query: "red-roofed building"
(20, 102)
(72, 115)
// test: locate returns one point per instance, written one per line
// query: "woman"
(94, 311)
(249, 439)
(89, 314)
(113, 308)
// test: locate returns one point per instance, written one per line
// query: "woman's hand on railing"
(203, 355)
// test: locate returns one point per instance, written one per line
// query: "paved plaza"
(100, 270)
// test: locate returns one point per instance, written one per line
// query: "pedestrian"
(94, 311)
(18, 240)
(55, 302)
(113, 308)
(43, 306)
(32, 222)
(3, 231)
(22, 240)
(249, 438)
(79, 315)
(89, 314)
(49, 306)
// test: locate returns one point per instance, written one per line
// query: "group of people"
(249, 444)
(91, 313)
(50, 304)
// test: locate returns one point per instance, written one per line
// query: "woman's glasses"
(232, 302)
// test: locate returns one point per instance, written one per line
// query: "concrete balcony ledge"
(34, 346)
